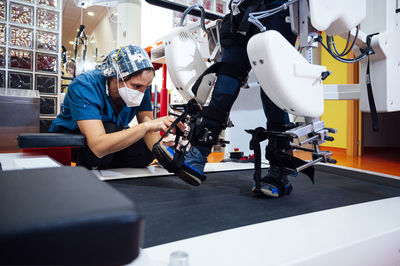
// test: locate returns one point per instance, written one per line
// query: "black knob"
(331, 161)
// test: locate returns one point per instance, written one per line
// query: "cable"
(202, 18)
(81, 16)
(255, 17)
(345, 60)
(339, 56)
(110, 16)
(345, 51)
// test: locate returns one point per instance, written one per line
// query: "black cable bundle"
(332, 50)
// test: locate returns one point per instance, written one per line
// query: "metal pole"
(155, 110)
(164, 93)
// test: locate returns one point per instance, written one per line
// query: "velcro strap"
(229, 69)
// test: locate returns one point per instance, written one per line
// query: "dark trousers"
(226, 89)
(135, 156)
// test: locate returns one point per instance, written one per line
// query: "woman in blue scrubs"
(101, 103)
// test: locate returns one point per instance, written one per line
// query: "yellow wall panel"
(335, 115)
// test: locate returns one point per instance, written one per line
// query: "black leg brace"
(276, 156)
(173, 160)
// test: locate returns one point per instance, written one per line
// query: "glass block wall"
(30, 44)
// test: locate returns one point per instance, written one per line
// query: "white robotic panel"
(385, 63)
(185, 64)
(287, 78)
(337, 16)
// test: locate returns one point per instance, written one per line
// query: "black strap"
(372, 107)
(257, 165)
(182, 117)
(216, 114)
(257, 136)
(229, 69)
(244, 24)
(81, 38)
(190, 109)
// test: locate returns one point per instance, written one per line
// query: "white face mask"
(131, 97)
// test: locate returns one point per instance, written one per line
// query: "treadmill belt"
(174, 210)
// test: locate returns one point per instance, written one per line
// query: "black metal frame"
(182, 7)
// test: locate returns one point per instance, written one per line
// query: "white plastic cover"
(336, 16)
(284, 74)
(185, 64)
(385, 62)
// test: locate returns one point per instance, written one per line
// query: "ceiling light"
(82, 3)
(90, 13)
(71, 42)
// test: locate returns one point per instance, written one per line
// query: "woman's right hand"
(162, 124)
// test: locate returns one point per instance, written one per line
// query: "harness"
(236, 29)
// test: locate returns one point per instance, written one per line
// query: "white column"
(129, 22)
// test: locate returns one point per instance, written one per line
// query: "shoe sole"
(188, 178)
(167, 161)
(264, 192)
(163, 157)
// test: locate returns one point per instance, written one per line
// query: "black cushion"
(65, 215)
(48, 140)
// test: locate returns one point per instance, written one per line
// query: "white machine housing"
(385, 63)
(303, 94)
(376, 16)
(284, 74)
(338, 16)
(186, 63)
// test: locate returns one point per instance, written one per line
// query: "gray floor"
(174, 210)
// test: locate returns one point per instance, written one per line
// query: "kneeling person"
(101, 103)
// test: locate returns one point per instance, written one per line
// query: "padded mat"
(174, 210)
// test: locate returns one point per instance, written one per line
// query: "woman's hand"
(162, 124)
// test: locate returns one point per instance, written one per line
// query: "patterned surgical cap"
(128, 59)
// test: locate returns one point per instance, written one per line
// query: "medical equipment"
(295, 84)
(188, 55)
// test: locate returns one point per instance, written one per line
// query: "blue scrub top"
(87, 99)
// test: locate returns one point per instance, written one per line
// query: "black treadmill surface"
(174, 210)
